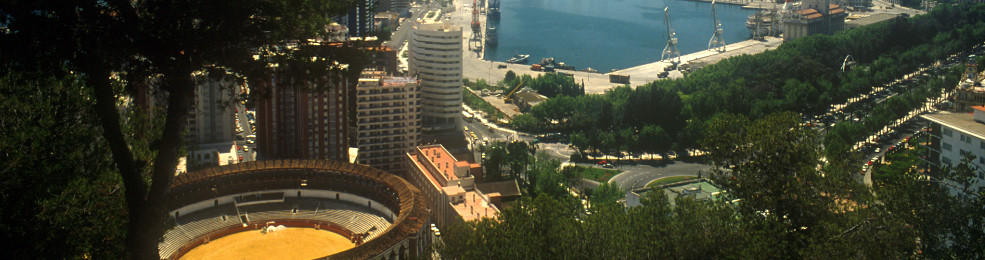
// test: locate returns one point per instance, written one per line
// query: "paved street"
(402, 34)
(636, 176)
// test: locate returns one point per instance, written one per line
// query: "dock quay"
(476, 67)
(747, 4)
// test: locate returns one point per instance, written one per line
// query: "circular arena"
(293, 209)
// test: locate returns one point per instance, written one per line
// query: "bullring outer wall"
(395, 193)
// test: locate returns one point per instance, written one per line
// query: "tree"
(61, 196)
(519, 156)
(773, 165)
(170, 39)
(496, 156)
(607, 194)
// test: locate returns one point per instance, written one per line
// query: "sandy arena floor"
(291, 243)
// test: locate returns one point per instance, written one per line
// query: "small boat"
(518, 58)
(590, 69)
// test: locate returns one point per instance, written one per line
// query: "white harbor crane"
(670, 52)
(716, 42)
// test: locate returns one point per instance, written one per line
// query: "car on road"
(501, 66)
(607, 165)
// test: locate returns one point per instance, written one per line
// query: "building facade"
(298, 119)
(814, 17)
(448, 185)
(436, 59)
(212, 117)
(359, 19)
(956, 135)
(388, 119)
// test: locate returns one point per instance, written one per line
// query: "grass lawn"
(596, 174)
(669, 180)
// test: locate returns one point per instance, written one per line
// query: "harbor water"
(608, 34)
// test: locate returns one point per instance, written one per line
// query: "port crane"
(716, 42)
(670, 52)
(475, 19)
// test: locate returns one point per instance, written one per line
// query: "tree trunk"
(134, 184)
(180, 88)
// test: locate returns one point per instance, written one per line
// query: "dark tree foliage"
(60, 196)
(156, 46)
(944, 207)
(779, 205)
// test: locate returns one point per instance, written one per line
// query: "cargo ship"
(491, 36)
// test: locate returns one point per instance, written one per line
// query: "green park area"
(596, 174)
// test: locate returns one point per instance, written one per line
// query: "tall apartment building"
(954, 135)
(436, 59)
(299, 119)
(397, 6)
(211, 118)
(449, 186)
(359, 19)
(388, 119)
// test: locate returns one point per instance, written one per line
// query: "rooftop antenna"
(670, 52)
(716, 42)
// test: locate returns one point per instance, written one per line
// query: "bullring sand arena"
(290, 243)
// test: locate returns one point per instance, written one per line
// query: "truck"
(535, 67)
(617, 78)
(549, 68)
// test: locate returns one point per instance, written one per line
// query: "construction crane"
(475, 19)
(670, 52)
(509, 97)
(716, 42)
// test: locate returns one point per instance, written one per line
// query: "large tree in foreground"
(118, 45)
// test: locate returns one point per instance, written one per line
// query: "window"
(946, 146)
(946, 160)
(947, 132)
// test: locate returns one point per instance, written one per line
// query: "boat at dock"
(491, 36)
(764, 22)
(518, 58)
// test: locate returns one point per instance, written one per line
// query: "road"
(402, 34)
(241, 140)
(636, 176)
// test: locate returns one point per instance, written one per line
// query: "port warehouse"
(274, 183)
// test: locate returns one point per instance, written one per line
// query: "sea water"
(608, 34)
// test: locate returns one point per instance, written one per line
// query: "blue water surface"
(608, 34)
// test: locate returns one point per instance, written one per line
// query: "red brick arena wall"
(394, 193)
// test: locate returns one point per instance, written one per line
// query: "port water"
(608, 34)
